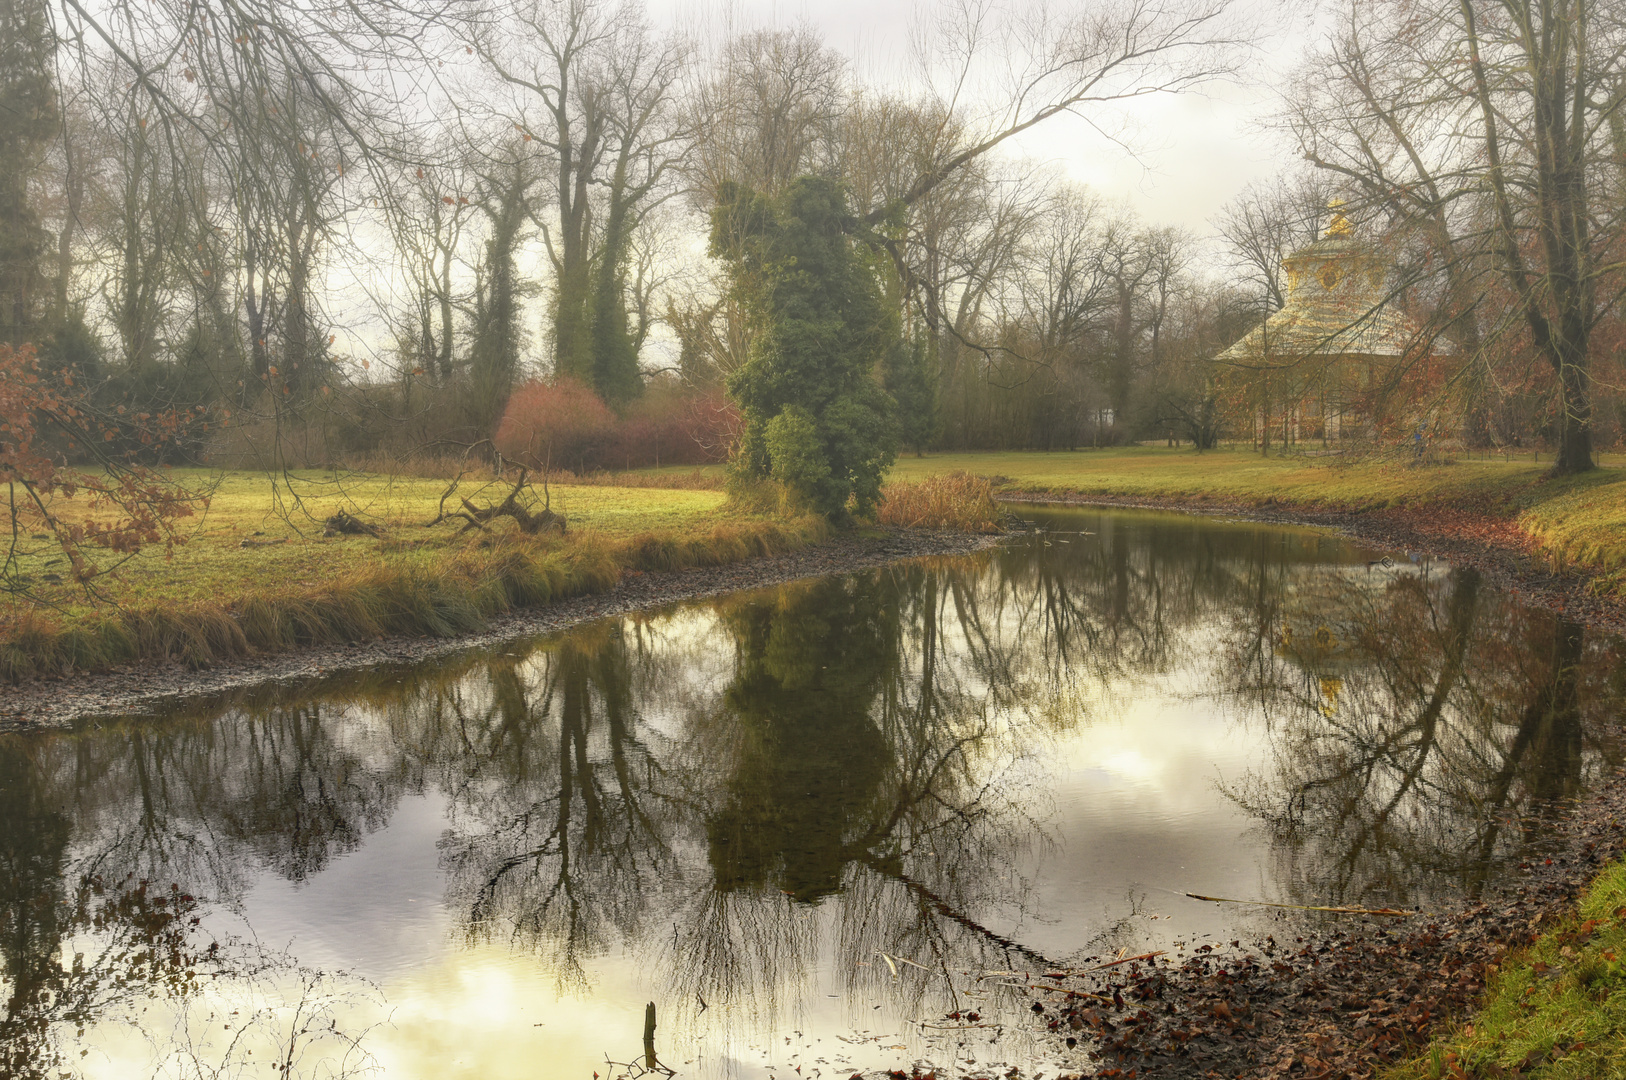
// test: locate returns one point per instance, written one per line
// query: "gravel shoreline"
(61, 701)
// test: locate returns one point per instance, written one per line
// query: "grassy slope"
(1556, 1011)
(213, 599)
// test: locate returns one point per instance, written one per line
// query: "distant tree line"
(341, 234)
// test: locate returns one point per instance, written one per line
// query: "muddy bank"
(1496, 547)
(141, 688)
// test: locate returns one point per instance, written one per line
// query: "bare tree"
(1044, 65)
(1484, 130)
(770, 111)
(1268, 222)
(594, 84)
(430, 217)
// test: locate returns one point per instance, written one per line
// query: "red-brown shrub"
(562, 424)
(565, 425)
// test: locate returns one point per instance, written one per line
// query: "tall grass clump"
(956, 500)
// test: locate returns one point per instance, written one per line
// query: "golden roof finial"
(1339, 225)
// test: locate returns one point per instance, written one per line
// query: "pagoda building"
(1334, 337)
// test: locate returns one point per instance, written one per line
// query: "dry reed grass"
(956, 500)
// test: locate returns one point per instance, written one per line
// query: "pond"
(827, 828)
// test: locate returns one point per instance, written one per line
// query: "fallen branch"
(350, 525)
(1054, 990)
(1102, 967)
(1393, 912)
(478, 517)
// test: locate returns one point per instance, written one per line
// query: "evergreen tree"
(815, 419)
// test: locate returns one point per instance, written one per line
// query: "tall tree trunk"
(1560, 327)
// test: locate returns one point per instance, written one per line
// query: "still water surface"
(807, 822)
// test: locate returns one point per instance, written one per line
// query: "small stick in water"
(1395, 912)
(649, 1036)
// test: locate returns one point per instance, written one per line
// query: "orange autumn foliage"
(126, 505)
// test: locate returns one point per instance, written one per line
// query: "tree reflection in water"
(749, 791)
(87, 956)
(1415, 717)
(838, 747)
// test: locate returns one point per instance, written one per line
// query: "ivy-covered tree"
(910, 377)
(28, 119)
(497, 334)
(816, 421)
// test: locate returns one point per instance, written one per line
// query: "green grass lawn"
(1223, 475)
(1243, 476)
(212, 598)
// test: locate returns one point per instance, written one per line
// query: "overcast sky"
(1195, 152)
